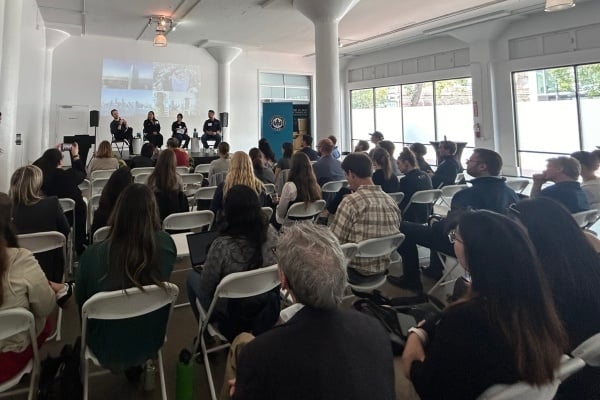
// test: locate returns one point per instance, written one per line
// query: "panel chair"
(141, 178)
(448, 193)
(376, 247)
(517, 184)
(585, 219)
(101, 234)
(202, 169)
(142, 170)
(237, 285)
(68, 205)
(124, 304)
(204, 196)
(191, 220)
(12, 322)
(38, 243)
(119, 144)
(301, 212)
(101, 173)
(423, 197)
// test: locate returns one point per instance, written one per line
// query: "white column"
(9, 88)
(224, 55)
(326, 15)
(54, 38)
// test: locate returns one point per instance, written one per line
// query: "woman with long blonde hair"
(103, 159)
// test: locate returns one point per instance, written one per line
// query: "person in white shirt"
(591, 183)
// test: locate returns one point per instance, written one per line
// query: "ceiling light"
(160, 40)
(558, 5)
(162, 24)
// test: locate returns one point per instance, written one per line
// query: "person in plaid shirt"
(366, 213)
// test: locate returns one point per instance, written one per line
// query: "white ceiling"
(273, 25)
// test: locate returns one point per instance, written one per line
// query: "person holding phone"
(120, 130)
(179, 130)
(152, 130)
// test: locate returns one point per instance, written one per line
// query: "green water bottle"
(184, 376)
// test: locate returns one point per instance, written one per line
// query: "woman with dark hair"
(261, 171)
(420, 150)
(504, 330)
(244, 244)
(166, 185)
(383, 175)
(136, 253)
(152, 130)
(103, 158)
(301, 186)
(285, 162)
(572, 268)
(144, 160)
(265, 147)
(391, 149)
(117, 182)
(64, 184)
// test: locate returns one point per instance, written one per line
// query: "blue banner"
(277, 125)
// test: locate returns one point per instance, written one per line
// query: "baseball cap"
(377, 134)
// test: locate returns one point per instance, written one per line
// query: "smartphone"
(66, 146)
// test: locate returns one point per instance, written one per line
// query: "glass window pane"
(362, 113)
(588, 87)
(297, 94)
(546, 110)
(296, 80)
(417, 102)
(454, 110)
(534, 163)
(271, 79)
(265, 92)
(388, 111)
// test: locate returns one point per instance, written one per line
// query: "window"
(555, 113)
(282, 87)
(363, 114)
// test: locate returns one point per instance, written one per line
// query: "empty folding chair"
(142, 170)
(202, 169)
(204, 196)
(190, 179)
(191, 220)
(423, 197)
(141, 178)
(182, 170)
(101, 173)
(299, 212)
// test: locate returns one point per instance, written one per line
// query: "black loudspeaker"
(94, 118)
(224, 118)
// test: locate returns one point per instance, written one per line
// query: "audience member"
(183, 160)
(32, 213)
(413, 181)
(103, 159)
(336, 152)
(259, 164)
(117, 182)
(222, 163)
(420, 150)
(64, 184)
(306, 143)
(504, 330)
(166, 185)
(179, 129)
(265, 147)
(244, 243)
(136, 253)
(383, 175)
(376, 137)
(285, 162)
(391, 149)
(152, 130)
(572, 267)
(448, 167)
(306, 356)
(144, 160)
(563, 171)
(120, 130)
(300, 186)
(327, 168)
(212, 130)
(591, 183)
(361, 146)
(365, 214)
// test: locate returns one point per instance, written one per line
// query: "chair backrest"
(182, 170)
(451, 190)
(84, 186)
(305, 210)
(248, 283)
(188, 179)
(42, 241)
(67, 204)
(101, 234)
(589, 351)
(141, 178)
(517, 184)
(205, 193)
(101, 173)
(270, 188)
(350, 250)
(202, 168)
(17, 320)
(189, 220)
(586, 218)
(281, 180)
(334, 186)
(459, 178)
(397, 196)
(98, 185)
(520, 391)
(217, 179)
(424, 197)
(95, 202)
(379, 247)
(268, 211)
(142, 170)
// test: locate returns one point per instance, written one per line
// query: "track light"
(558, 5)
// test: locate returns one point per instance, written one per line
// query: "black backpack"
(60, 377)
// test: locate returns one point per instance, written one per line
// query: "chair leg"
(59, 324)
(441, 281)
(211, 384)
(161, 372)
(85, 377)
(33, 382)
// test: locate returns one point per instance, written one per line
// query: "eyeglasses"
(453, 237)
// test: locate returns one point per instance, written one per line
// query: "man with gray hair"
(319, 350)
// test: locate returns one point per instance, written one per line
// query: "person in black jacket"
(120, 130)
(152, 130)
(413, 181)
(63, 183)
(420, 150)
(179, 130)
(166, 185)
(448, 167)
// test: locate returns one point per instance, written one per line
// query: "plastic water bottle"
(195, 133)
(149, 376)
(184, 381)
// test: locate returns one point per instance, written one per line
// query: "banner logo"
(277, 123)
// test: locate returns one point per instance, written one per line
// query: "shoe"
(405, 283)
(64, 296)
(433, 273)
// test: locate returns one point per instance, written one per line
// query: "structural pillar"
(9, 88)
(224, 55)
(326, 16)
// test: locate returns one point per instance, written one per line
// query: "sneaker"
(405, 283)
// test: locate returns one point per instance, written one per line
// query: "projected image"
(135, 87)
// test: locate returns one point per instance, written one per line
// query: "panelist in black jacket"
(321, 351)
(120, 130)
(179, 130)
(448, 167)
(152, 130)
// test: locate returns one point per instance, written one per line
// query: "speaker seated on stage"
(212, 130)
(120, 131)
(152, 130)
(179, 130)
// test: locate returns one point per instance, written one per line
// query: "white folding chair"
(101, 173)
(587, 218)
(182, 170)
(124, 304)
(423, 197)
(334, 186)
(40, 242)
(349, 250)
(217, 179)
(142, 170)
(68, 205)
(204, 194)
(189, 179)
(459, 178)
(397, 196)
(141, 178)
(270, 188)
(448, 193)
(202, 169)
(377, 247)
(589, 351)
(233, 286)
(301, 212)
(521, 391)
(191, 220)
(98, 185)
(85, 187)
(268, 211)
(281, 180)
(12, 322)
(101, 234)
(517, 184)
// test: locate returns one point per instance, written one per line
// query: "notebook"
(198, 244)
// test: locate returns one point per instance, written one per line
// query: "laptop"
(198, 245)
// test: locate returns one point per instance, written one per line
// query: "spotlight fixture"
(162, 24)
(558, 5)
